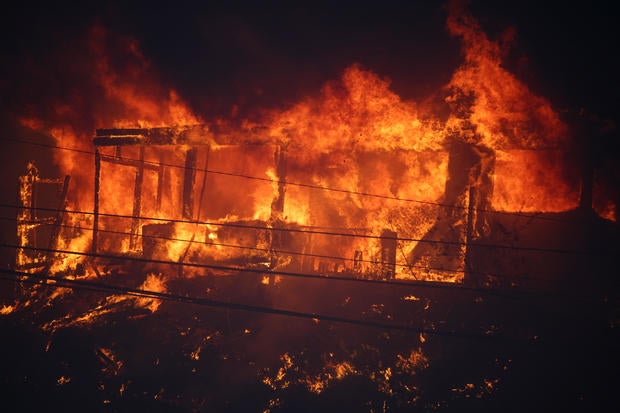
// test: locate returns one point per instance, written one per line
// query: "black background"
(217, 54)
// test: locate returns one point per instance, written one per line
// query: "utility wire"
(264, 270)
(514, 294)
(310, 231)
(11, 275)
(330, 257)
(243, 247)
(422, 268)
(310, 186)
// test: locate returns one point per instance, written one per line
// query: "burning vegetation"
(355, 219)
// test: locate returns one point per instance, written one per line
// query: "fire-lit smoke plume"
(356, 135)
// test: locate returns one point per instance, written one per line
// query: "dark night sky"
(218, 54)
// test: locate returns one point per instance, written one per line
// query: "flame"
(137, 94)
(491, 107)
(112, 304)
(359, 160)
(79, 241)
(605, 199)
(359, 112)
(608, 211)
(414, 362)
(7, 309)
(353, 157)
(62, 380)
(537, 174)
(153, 283)
(289, 372)
(331, 372)
(504, 112)
(294, 370)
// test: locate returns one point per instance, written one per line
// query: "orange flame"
(385, 160)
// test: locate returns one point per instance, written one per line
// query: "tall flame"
(359, 157)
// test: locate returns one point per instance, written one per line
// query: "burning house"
(162, 193)
(346, 249)
(273, 237)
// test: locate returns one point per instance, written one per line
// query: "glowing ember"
(7, 309)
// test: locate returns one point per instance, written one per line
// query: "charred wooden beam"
(188, 183)
(137, 202)
(585, 147)
(28, 222)
(160, 183)
(278, 240)
(469, 237)
(120, 140)
(130, 162)
(96, 201)
(468, 193)
(60, 212)
(191, 202)
(178, 135)
(26, 216)
(32, 223)
(388, 254)
(277, 205)
(204, 183)
(358, 259)
(480, 191)
(184, 255)
(479, 202)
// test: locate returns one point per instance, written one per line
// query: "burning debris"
(277, 240)
(29, 224)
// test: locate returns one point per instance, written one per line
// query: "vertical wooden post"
(96, 206)
(26, 216)
(204, 184)
(388, 254)
(188, 183)
(60, 212)
(160, 182)
(277, 205)
(468, 275)
(277, 210)
(137, 203)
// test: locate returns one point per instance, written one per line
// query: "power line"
(100, 287)
(310, 231)
(265, 270)
(335, 258)
(47, 145)
(310, 186)
(244, 247)
(330, 257)
(513, 294)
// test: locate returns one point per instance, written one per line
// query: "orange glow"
(7, 309)
(531, 181)
(312, 189)
(354, 157)
(608, 211)
(505, 113)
